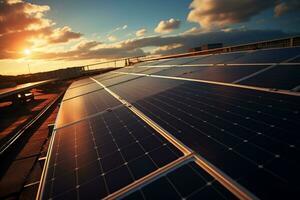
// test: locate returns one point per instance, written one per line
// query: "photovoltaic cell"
(269, 55)
(96, 157)
(187, 182)
(107, 76)
(177, 71)
(156, 87)
(296, 60)
(280, 77)
(83, 106)
(151, 63)
(81, 82)
(119, 80)
(211, 73)
(223, 74)
(252, 132)
(100, 146)
(184, 60)
(219, 58)
(81, 90)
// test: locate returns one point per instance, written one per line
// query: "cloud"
(183, 42)
(112, 38)
(23, 25)
(214, 14)
(86, 45)
(164, 44)
(140, 32)
(167, 26)
(119, 28)
(62, 35)
(167, 48)
(286, 6)
(192, 31)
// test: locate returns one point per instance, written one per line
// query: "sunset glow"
(66, 32)
(27, 52)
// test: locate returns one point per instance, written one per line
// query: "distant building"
(207, 47)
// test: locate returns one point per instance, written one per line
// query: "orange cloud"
(61, 35)
(140, 32)
(22, 23)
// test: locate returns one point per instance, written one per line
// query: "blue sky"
(103, 16)
(63, 33)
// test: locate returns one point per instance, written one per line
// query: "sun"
(27, 52)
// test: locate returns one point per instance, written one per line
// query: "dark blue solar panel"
(177, 71)
(296, 60)
(183, 60)
(81, 90)
(98, 156)
(107, 76)
(269, 55)
(255, 133)
(81, 82)
(83, 106)
(152, 63)
(223, 74)
(146, 70)
(187, 182)
(219, 58)
(280, 77)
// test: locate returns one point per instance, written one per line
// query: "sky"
(52, 34)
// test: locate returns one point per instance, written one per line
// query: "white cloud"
(112, 38)
(192, 31)
(120, 28)
(167, 26)
(167, 48)
(140, 32)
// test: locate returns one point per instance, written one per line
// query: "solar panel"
(219, 58)
(151, 63)
(226, 74)
(98, 156)
(184, 60)
(81, 82)
(280, 77)
(107, 76)
(83, 106)
(251, 132)
(176, 71)
(269, 55)
(125, 140)
(144, 69)
(296, 60)
(81, 90)
(186, 182)
(220, 73)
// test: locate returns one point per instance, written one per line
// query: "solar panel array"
(162, 130)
